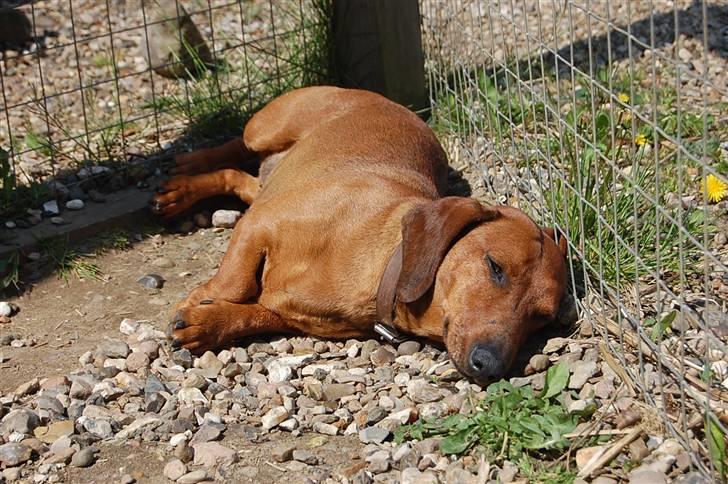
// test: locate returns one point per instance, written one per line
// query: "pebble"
(283, 452)
(8, 309)
(151, 281)
(175, 469)
(193, 477)
(212, 454)
(274, 416)
(375, 435)
(50, 209)
(226, 218)
(305, 456)
(412, 475)
(539, 362)
(75, 204)
(14, 454)
(84, 458)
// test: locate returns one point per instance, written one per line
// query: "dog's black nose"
(486, 362)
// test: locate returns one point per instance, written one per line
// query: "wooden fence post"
(378, 46)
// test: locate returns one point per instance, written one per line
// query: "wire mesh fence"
(608, 121)
(95, 85)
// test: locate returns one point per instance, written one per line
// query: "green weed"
(509, 423)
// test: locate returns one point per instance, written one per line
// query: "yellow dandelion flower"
(623, 97)
(641, 140)
(715, 188)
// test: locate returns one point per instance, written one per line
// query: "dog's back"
(311, 137)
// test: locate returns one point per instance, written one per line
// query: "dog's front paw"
(198, 328)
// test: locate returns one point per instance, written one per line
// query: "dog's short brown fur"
(345, 176)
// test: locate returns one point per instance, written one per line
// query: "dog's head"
(490, 273)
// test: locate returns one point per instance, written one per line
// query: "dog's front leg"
(219, 324)
(236, 279)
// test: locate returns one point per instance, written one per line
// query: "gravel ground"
(126, 408)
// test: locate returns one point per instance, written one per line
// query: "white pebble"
(75, 204)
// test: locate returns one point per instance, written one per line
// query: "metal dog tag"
(389, 333)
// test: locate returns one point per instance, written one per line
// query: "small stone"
(336, 391)
(422, 392)
(211, 364)
(54, 431)
(22, 421)
(112, 348)
(137, 361)
(581, 372)
(226, 218)
(212, 454)
(646, 476)
(412, 475)
(58, 220)
(191, 396)
(151, 281)
(375, 435)
(325, 428)
(10, 224)
(275, 416)
(8, 309)
(206, 433)
(283, 452)
(27, 388)
(407, 348)
(381, 356)
(128, 326)
(305, 456)
(175, 469)
(14, 454)
(50, 209)
(127, 479)
(539, 362)
(84, 457)
(193, 477)
(75, 204)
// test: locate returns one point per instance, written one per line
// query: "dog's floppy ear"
(428, 230)
(557, 237)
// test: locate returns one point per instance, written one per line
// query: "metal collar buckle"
(389, 333)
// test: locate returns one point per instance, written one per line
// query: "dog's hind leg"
(181, 192)
(231, 154)
(218, 324)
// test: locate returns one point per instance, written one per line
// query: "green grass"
(511, 423)
(67, 261)
(606, 187)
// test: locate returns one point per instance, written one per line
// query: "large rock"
(173, 45)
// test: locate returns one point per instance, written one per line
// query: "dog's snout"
(486, 362)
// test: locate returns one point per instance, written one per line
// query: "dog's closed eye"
(496, 272)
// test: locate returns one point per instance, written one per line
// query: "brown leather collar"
(387, 295)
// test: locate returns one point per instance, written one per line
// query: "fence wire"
(78, 91)
(608, 120)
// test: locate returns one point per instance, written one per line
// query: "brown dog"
(347, 226)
